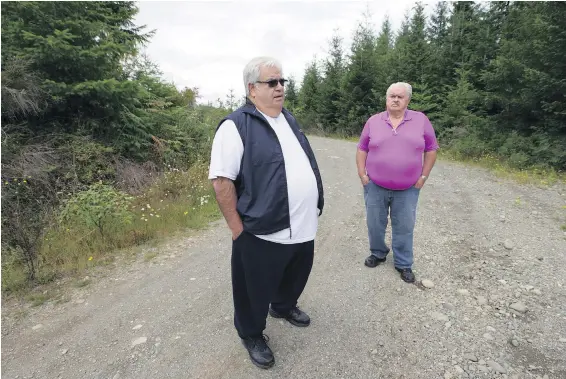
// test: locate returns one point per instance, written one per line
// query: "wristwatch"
(424, 177)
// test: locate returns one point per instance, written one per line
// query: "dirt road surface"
(493, 249)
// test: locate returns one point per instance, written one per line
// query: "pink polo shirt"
(395, 157)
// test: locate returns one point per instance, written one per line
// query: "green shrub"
(98, 207)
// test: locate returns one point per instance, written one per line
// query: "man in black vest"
(269, 189)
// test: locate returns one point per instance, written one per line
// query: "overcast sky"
(206, 44)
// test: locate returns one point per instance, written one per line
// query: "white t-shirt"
(226, 156)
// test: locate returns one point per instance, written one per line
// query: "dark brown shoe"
(406, 274)
(373, 261)
(260, 354)
(295, 316)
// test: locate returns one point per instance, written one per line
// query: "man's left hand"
(420, 183)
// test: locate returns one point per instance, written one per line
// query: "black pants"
(265, 272)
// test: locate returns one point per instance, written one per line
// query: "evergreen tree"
(489, 76)
(383, 55)
(439, 68)
(78, 49)
(330, 87)
(359, 85)
(416, 57)
(291, 95)
(401, 52)
(309, 96)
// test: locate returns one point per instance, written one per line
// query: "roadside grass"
(177, 203)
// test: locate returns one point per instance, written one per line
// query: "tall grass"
(541, 176)
(177, 201)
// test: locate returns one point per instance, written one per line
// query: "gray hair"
(407, 86)
(252, 70)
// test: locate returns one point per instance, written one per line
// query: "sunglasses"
(272, 83)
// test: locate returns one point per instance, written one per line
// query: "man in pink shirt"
(396, 153)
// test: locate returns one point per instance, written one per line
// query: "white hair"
(407, 86)
(252, 70)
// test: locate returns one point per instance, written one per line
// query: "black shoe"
(295, 317)
(406, 274)
(260, 354)
(373, 261)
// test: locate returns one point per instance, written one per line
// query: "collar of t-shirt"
(275, 119)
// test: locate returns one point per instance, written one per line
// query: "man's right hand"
(236, 233)
(227, 199)
(364, 179)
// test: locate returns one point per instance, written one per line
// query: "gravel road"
(491, 251)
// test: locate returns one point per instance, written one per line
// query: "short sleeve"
(227, 152)
(363, 144)
(431, 143)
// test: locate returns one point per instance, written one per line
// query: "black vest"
(261, 186)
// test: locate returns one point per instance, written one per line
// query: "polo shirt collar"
(407, 116)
